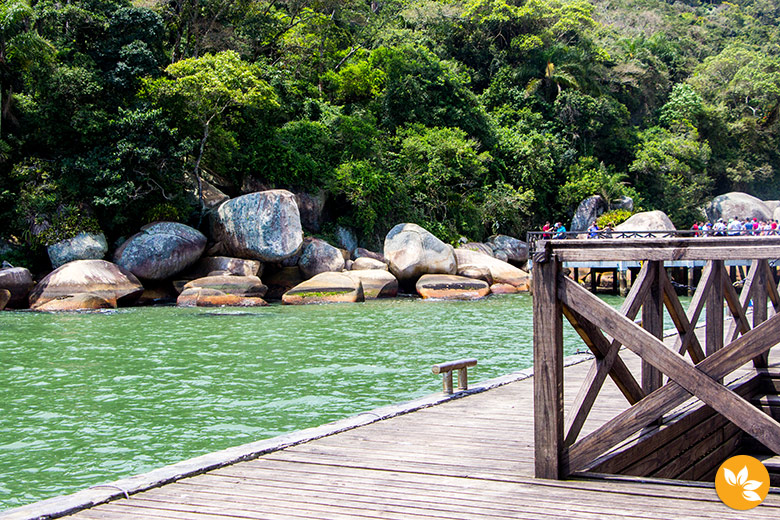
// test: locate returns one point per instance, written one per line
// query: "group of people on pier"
(721, 227)
(735, 227)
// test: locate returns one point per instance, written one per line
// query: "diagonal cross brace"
(696, 380)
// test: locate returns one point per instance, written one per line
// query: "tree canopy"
(469, 117)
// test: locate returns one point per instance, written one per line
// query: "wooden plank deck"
(468, 458)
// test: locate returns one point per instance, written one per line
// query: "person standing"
(560, 230)
(593, 230)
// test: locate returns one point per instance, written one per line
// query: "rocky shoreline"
(257, 253)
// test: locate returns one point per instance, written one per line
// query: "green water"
(91, 398)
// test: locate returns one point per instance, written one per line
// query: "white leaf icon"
(751, 496)
(752, 485)
(730, 478)
(742, 476)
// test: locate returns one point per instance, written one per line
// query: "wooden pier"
(635, 444)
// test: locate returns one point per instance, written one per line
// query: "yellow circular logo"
(742, 482)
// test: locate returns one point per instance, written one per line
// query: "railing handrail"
(533, 237)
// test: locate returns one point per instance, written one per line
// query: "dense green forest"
(468, 117)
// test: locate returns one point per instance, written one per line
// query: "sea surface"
(88, 398)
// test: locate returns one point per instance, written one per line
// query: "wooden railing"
(535, 237)
(559, 450)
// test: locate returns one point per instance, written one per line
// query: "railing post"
(759, 305)
(714, 314)
(548, 370)
(653, 322)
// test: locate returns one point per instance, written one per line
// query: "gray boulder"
(737, 205)
(515, 250)
(626, 203)
(365, 263)
(588, 211)
(346, 238)
(500, 271)
(19, 282)
(84, 246)
(161, 250)
(319, 257)
(263, 226)
(98, 277)
(647, 221)
(776, 214)
(412, 251)
(311, 208)
(234, 266)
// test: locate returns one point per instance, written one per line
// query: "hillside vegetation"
(467, 117)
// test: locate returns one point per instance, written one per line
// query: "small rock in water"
(325, 288)
(451, 287)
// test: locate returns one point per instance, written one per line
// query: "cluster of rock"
(258, 253)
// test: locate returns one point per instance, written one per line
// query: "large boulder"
(451, 287)
(413, 251)
(515, 250)
(624, 202)
(84, 246)
(325, 288)
(500, 271)
(98, 277)
(77, 302)
(311, 208)
(161, 250)
(320, 257)
(376, 283)
(647, 221)
(204, 297)
(346, 238)
(776, 214)
(234, 266)
(263, 226)
(737, 205)
(246, 286)
(588, 211)
(5, 297)
(366, 263)
(19, 282)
